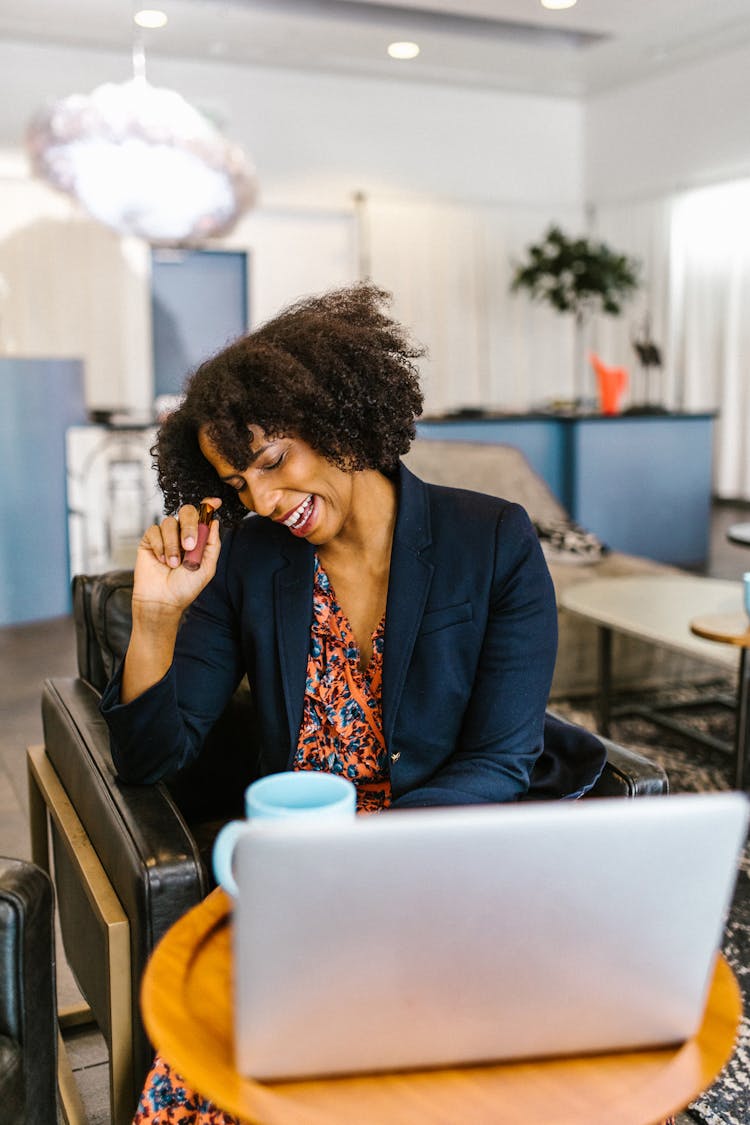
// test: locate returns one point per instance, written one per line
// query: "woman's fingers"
(213, 545)
(154, 542)
(170, 533)
(176, 536)
(188, 519)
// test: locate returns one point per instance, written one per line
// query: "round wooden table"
(187, 1010)
(733, 629)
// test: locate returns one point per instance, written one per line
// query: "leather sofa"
(28, 1010)
(153, 842)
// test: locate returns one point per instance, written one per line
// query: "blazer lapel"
(293, 610)
(408, 587)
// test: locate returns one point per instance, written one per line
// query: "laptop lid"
(436, 937)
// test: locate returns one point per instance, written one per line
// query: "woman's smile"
(302, 518)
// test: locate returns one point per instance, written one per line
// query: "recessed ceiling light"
(403, 50)
(150, 17)
(557, 5)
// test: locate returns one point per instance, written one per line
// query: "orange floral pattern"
(342, 725)
(167, 1100)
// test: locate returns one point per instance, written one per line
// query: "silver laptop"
(444, 936)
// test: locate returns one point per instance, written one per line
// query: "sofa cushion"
(492, 468)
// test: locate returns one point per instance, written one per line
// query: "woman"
(396, 632)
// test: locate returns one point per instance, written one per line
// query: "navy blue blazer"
(470, 644)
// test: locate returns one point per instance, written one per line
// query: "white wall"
(681, 129)
(316, 140)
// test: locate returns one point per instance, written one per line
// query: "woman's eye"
(274, 464)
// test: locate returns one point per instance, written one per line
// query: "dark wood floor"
(31, 653)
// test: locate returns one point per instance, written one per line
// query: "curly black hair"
(333, 370)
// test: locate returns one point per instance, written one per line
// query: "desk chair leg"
(47, 797)
(742, 733)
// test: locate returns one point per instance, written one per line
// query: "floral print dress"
(342, 724)
(341, 732)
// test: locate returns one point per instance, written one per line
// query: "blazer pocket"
(436, 619)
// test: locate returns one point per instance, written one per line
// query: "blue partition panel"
(642, 483)
(39, 399)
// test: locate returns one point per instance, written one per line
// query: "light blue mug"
(746, 586)
(303, 794)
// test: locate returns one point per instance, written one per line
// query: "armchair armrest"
(139, 836)
(137, 831)
(628, 774)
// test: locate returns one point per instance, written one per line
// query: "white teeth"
(299, 514)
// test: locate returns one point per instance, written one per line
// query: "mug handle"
(223, 852)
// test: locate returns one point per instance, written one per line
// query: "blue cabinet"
(39, 399)
(642, 483)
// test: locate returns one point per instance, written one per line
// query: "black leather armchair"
(28, 1015)
(152, 843)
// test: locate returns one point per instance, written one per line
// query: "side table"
(733, 629)
(186, 1000)
(739, 533)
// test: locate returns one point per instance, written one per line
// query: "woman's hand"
(161, 583)
(162, 589)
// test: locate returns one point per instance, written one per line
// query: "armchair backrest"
(103, 618)
(212, 785)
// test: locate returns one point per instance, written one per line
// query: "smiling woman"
(393, 632)
(334, 371)
(293, 435)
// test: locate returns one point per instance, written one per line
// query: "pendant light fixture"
(142, 160)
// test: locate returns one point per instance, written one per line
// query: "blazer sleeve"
(501, 734)
(162, 730)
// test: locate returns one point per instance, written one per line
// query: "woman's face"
(290, 483)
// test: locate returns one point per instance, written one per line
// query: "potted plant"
(578, 276)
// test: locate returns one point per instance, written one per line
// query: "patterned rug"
(692, 768)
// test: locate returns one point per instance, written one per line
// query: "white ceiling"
(500, 44)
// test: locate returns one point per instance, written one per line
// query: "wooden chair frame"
(48, 799)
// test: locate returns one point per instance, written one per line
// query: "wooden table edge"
(725, 628)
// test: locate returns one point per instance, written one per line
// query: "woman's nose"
(260, 498)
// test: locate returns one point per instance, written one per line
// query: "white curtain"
(642, 231)
(449, 267)
(695, 250)
(710, 329)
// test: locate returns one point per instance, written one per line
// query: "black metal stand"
(660, 715)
